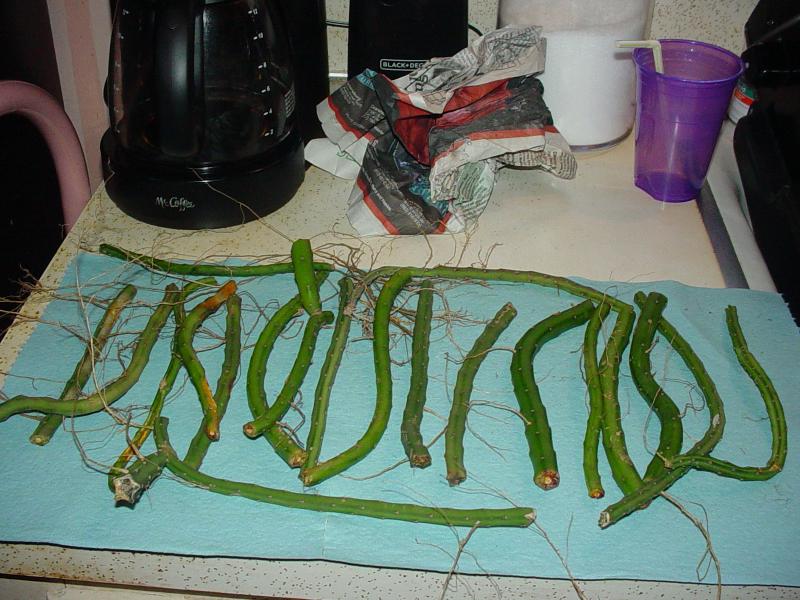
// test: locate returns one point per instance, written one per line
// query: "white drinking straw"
(654, 45)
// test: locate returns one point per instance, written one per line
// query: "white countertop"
(597, 226)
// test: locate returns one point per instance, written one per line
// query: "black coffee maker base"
(203, 200)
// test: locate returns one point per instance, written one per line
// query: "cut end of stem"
(530, 517)
(309, 476)
(297, 459)
(420, 460)
(547, 479)
(40, 440)
(304, 478)
(605, 519)
(597, 493)
(456, 478)
(126, 490)
(212, 432)
(250, 430)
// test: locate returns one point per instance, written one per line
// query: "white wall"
(81, 33)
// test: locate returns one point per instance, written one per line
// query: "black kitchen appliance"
(394, 37)
(203, 104)
(767, 141)
(308, 41)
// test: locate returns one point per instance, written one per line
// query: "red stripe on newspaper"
(470, 94)
(443, 223)
(497, 135)
(404, 104)
(345, 124)
(412, 125)
(387, 224)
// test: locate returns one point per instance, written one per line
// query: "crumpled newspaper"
(425, 149)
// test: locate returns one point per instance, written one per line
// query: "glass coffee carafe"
(202, 101)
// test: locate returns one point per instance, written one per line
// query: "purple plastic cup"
(679, 114)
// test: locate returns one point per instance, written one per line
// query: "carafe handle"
(178, 76)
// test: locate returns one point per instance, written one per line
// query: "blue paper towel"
(58, 494)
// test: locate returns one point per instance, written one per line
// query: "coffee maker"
(203, 102)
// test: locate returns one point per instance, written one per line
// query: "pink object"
(54, 125)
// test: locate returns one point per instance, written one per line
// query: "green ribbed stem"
(462, 392)
(140, 476)
(283, 444)
(195, 369)
(591, 440)
(294, 380)
(198, 448)
(669, 417)
(303, 263)
(44, 432)
(772, 403)
(112, 392)
(164, 388)
(504, 275)
(453, 517)
(537, 427)
(622, 468)
(642, 497)
(383, 380)
(198, 269)
(327, 377)
(410, 436)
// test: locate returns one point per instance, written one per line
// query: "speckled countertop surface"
(577, 227)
